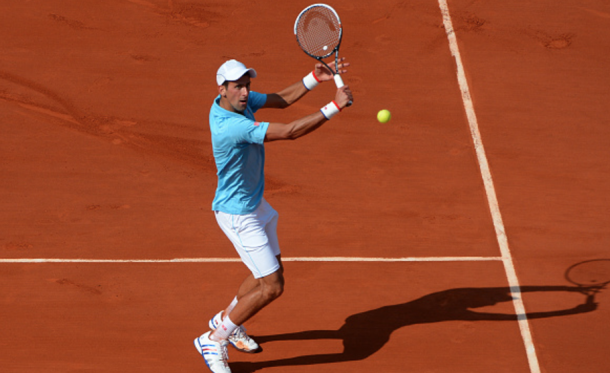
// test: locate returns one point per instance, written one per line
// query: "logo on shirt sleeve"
(256, 124)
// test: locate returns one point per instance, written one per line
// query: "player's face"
(236, 93)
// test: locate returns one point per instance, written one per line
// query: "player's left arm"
(294, 92)
(308, 124)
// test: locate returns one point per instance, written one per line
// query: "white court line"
(236, 260)
(492, 200)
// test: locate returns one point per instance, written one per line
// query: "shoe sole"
(259, 349)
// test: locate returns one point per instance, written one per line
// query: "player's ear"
(222, 90)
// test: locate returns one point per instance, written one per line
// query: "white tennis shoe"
(214, 353)
(238, 339)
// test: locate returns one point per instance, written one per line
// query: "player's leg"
(267, 288)
(255, 239)
(230, 327)
(249, 284)
(268, 219)
(258, 291)
(270, 288)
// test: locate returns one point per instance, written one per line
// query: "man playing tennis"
(242, 213)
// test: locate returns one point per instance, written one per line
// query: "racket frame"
(336, 75)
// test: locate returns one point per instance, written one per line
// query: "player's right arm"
(307, 124)
(294, 92)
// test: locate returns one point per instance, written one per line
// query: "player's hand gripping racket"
(318, 30)
(591, 276)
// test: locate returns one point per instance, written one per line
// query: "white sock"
(230, 308)
(224, 330)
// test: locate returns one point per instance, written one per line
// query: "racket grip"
(339, 83)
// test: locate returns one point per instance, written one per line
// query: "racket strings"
(318, 32)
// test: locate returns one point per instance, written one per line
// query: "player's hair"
(226, 82)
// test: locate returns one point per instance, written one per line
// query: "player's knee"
(279, 290)
(274, 290)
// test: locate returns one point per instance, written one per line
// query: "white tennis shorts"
(254, 236)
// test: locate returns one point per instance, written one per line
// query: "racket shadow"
(365, 333)
(592, 276)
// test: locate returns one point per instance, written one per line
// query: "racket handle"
(339, 83)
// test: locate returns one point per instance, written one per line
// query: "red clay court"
(409, 246)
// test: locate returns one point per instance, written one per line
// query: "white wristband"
(310, 81)
(330, 110)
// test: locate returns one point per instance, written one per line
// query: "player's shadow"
(365, 333)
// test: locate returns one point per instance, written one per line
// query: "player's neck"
(225, 104)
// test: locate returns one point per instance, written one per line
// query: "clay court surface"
(105, 158)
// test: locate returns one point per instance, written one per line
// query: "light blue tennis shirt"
(237, 141)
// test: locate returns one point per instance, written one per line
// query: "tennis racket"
(592, 275)
(318, 30)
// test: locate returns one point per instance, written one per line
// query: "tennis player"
(241, 211)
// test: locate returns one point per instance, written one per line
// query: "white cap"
(231, 71)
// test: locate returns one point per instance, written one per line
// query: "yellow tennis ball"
(384, 116)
